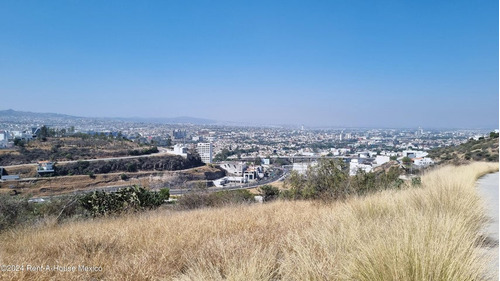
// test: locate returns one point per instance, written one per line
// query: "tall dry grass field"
(426, 233)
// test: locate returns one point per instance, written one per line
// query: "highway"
(282, 173)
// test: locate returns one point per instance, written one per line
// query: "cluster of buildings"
(367, 161)
(240, 172)
(7, 137)
(205, 150)
(364, 148)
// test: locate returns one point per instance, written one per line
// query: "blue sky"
(317, 63)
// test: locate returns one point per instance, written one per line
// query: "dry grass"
(429, 233)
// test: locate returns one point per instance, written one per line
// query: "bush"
(269, 192)
(144, 151)
(201, 199)
(134, 198)
(15, 211)
(330, 180)
(124, 177)
(131, 167)
(416, 181)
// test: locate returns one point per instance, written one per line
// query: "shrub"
(201, 199)
(269, 192)
(327, 180)
(330, 180)
(124, 177)
(131, 167)
(416, 181)
(15, 211)
(133, 198)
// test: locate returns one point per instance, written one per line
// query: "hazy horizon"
(318, 64)
(213, 122)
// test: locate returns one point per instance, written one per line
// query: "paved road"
(488, 188)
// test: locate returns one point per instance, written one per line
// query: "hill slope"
(484, 149)
(13, 115)
(426, 233)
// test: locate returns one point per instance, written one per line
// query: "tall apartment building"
(205, 152)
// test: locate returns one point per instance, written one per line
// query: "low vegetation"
(157, 163)
(74, 147)
(203, 199)
(133, 198)
(483, 149)
(330, 180)
(426, 232)
(22, 211)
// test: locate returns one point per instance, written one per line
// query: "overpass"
(297, 158)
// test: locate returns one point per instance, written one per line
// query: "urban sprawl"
(237, 148)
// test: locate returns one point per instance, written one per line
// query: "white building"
(381, 159)
(180, 149)
(45, 167)
(355, 166)
(229, 180)
(301, 168)
(414, 153)
(205, 151)
(423, 162)
(234, 168)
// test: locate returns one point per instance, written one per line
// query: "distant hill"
(172, 120)
(13, 114)
(483, 149)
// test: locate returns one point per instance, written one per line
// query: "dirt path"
(488, 188)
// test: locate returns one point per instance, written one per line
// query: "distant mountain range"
(23, 114)
(10, 113)
(172, 120)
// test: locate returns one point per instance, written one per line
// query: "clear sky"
(323, 63)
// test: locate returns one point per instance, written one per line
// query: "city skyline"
(44, 118)
(332, 64)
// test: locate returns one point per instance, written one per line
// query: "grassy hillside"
(425, 233)
(72, 148)
(484, 149)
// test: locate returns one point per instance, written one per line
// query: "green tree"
(269, 192)
(406, 161)
(326, 180)
(257, 161)
(364, 182)
(18, 142)
(295, 184)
